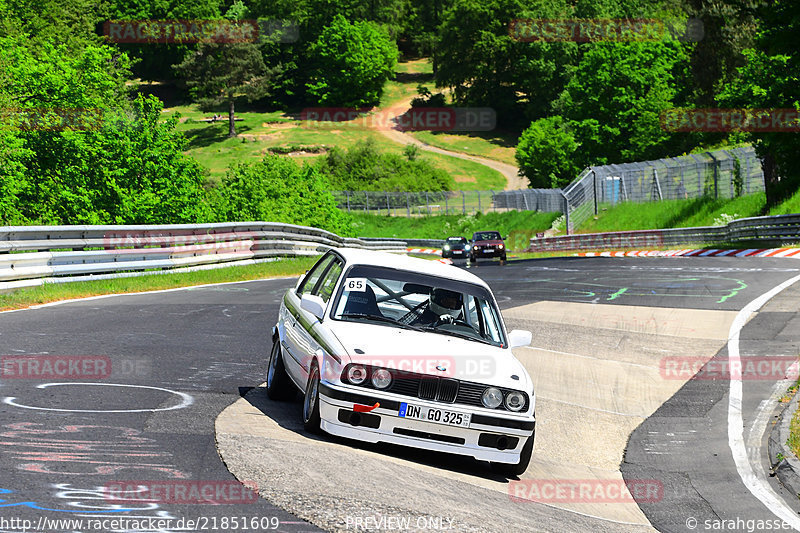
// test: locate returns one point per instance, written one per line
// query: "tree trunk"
(231, 121)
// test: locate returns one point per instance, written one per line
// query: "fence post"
(657, 183)
(366, 207)
(479, 201)
(566, 210)
(388, 209)
(428, 203)
(348, 200)
(716, 184)
(594, 189)
(494, 205)
(408, 206)
(463, 203)
(445, 204)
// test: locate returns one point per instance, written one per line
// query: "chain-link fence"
(718, 174)
(401, 203)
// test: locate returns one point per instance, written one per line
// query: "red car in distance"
(487, 244)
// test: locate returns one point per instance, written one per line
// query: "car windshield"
(487, 236)
(411, 300)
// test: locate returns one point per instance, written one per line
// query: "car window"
(313, 276)
(403, 299)
(325, 287)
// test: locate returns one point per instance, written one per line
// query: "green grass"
(792, 205)
(497, 145)
(51, 292)
(518, 225)
(672, 213)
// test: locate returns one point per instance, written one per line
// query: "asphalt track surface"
(183, 356)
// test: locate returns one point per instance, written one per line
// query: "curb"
(788, 469)
(702, 252)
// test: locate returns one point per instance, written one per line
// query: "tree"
(615, 97)
(222, 73)
(546, 153)
(350, 63)
(771, 79)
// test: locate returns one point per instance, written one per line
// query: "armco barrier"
(29, 255)
(783, 228)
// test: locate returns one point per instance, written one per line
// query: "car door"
(304, 343)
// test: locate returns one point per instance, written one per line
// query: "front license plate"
(488, 250)
(432, 414)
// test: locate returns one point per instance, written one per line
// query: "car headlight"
(492, 398)
(515, 401)
(501, 246)
(446, 246)
(356, 374)
(381, 378)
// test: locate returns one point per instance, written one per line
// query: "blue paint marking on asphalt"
(34, 505)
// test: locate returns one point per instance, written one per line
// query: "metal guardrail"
(29, 255)
(784, 228)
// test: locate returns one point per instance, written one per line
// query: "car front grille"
(444, 390)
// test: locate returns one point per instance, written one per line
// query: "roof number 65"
(356, 285)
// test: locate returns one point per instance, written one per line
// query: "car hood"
(495, 242)
(431, 353)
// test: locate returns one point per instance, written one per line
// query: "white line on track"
(753, 477)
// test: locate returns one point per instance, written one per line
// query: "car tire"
(279, 386)
(503, 258)
(311, 417)
(517, 469)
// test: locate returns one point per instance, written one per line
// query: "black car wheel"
(311, 401)
(279, 386)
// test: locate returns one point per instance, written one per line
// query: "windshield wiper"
(378, 318)
(457, 334)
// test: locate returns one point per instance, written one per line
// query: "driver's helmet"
(445, 302)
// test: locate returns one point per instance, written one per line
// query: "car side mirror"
(300, 280)
(313, 304)
(519, 337)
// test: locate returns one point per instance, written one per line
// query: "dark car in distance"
(455, 248)
(487, 244)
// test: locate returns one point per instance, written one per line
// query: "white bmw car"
(388, 348)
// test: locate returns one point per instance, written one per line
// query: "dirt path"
(513, 180)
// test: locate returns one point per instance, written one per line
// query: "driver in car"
(444, 306)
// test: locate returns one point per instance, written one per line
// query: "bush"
(276, 189)
(364, 168)
(545, 153)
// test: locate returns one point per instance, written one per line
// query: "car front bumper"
(483, 440)
(483, 252)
